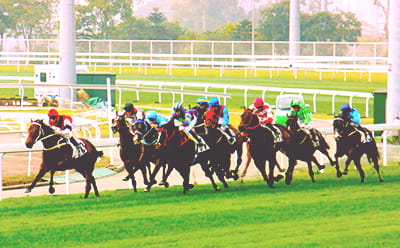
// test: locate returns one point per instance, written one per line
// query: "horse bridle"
(41, 133)
(248, 126)
(147, 132)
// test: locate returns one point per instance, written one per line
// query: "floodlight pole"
(393, 85)
(294, 28)
(67, 46)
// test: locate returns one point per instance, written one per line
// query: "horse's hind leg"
(96, 191)
(376, 167)
(184, 171)
(359, 168)
(51, 187)
(37, 178)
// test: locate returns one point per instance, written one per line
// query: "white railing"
(262, 89)
(113, 142)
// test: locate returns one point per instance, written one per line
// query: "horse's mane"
(46, 128)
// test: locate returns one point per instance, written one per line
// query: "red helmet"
(258, 102)
(52, 112)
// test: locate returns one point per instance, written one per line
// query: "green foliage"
(320, 26)
(329, 213)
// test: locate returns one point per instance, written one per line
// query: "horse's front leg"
(51, 188)
(261, 167)
(359, 168)
(39, 176)
(289, 171)
(310, 171)
(337, 167)
(206, 167)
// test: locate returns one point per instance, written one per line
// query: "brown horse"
(262, 147)
(128, 151)
(57, 156)
(298, 145)
(349, 142)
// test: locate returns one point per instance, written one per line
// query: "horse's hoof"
(339, 174)
(217, 189)
(278, 178)
(52, 190)
(282, 170)
(166, 184)
(321, 171)
(345, 173)
(147, 190)
(125, 179)
(162, 183)
(235, 177)
(27, 191)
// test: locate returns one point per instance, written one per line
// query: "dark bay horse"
(57, 156)
(262, 147)
(128, 151)
(298, 145)
(218, 158)
(349, 142)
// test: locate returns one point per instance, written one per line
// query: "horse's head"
(292, 124)
(248, 120)
(339, 126)
(37, 131)
(119, 123)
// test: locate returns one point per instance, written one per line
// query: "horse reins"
(41, 132)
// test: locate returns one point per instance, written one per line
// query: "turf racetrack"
(329, 213)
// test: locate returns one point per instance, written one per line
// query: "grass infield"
(329, 213)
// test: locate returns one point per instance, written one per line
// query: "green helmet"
(296, 103)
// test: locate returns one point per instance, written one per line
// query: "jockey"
(353, 116)
(187, 120)
(155, 119)
(62, 124)
(303, 116)
(133, 114)
(264, 113)
(223, 117)
(201, 108)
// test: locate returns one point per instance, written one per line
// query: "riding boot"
(314, 138)
(78, 146)
(232, 136)
(201, 146)
(277, 134)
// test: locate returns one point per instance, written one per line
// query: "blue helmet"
(151, 114)
(213, 101)
(345, 107)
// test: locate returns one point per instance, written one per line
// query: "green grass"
(329, 213)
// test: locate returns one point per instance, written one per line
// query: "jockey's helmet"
(53, 114)
(213, 102)
(345, 107)
(178, 107)
(295, 104)
(151, 114)
(202, 101)
(128, 107)
(258, 102)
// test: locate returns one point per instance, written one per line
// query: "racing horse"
(262, 146)
(128, 151)
(178, 150)
(57, 156)
(300, 146)
(349, 142)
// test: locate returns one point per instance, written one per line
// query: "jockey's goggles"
(53, 117)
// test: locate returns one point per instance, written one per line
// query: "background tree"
(213, 13)
(33, 19)
(321, 26)
(274, 22)
(98, 18)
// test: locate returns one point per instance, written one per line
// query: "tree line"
(114, 19)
